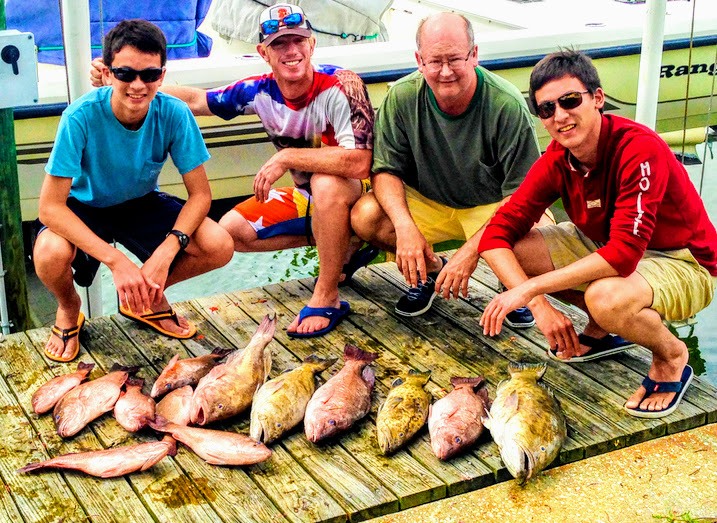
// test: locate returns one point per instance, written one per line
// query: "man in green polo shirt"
(452, 142)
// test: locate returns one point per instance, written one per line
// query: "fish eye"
(278, 424)
(332, 422)
(458, 440)
(57, 417)
(542, 449)
(400, 434)
(221, 406)
(167, 385)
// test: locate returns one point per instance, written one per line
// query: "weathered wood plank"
(163, 488)
(226, 488)
(700, 394)
(26, 370)
(39, 497)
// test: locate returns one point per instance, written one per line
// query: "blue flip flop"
(334, 314)
(652, 386)
(599, 348)
(359, 259)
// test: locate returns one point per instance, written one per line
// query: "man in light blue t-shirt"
(101, 186)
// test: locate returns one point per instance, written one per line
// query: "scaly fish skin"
(279, 404)
(89, 400)
(216, 447)
(404, 412)
(344, 399)
(133, 408)
(180, 373)
(526, 422)
(454, 421)
(228, 389)
(51, 392)
(110, 463)
(177, 406)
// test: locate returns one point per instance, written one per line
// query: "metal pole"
(78, 54)
(4, 315)
(648, 86)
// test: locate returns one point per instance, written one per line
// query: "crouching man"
(101, 186)
(640, 249)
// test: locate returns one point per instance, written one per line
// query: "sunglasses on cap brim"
(270, 27)
(127, 74)
(571, 100)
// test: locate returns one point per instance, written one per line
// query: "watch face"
(183, 238)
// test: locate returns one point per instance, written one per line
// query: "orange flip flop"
(151, 317)
(65, 335)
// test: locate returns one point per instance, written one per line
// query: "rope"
(689, 75)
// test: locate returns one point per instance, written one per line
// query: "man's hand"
(156, 269)
(133, 287)
(412, 250)
(97, 66)
(271, 171)
(500, 306)
(558, 330)
(455, 274)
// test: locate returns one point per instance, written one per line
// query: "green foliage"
(673, 517)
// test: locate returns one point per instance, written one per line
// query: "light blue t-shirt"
(110, 164)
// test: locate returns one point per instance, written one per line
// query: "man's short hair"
(567, 62)
(469, 31)
(140, 34)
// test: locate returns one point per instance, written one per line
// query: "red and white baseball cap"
(282, 19)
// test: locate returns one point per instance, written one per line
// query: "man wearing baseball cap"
(320, 119)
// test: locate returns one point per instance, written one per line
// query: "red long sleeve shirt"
(638, 197)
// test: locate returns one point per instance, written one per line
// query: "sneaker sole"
(417, 313)
(518, 325)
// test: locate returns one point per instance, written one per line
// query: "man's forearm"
(195, 98)
(335, 160)
(391, 195)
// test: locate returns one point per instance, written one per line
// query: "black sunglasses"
(572, 100)
(127, 74)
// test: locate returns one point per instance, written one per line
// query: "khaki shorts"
(681, 287)
(440, 223)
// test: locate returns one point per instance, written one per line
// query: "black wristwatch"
(183, 238)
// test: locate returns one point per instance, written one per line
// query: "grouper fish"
(216, 447)
(344, 399)
(404, 412)
(454, 421)
(110, 463)
(50, 393)
(228, 388)
(526, 421)
(89, 400)
(177, 406)
(279, 404)
(179, 373)
(133, 408)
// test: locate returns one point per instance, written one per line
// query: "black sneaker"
(418, 300)
(519, 318)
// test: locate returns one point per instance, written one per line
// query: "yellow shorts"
(440, 223)
(681, 287)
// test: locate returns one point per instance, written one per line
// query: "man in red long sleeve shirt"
(640, 249)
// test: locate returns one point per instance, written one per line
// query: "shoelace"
(414, 293)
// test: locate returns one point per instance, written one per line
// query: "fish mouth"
(525, 472)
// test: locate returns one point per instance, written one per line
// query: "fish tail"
(220, 353)
(129, 370)
(172, 444)
(351, 352)
(134, 382)
(85, 367)
(32, 466)
(265, 331)
(529, 369)
(319, 364)
(476, 382)
(159, 423)
(422, 377)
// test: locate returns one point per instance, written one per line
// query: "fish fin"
(487, 419)
(369, 376)
(220, 353)
(351, 352)
(395, 383)
(320, 364)
(475, 383)
(482, 393)
(267, 362)
(171, 362)
(422, 376)
(30, 467)
(534, 369)
(129, 370)
(85, 367)
(160, 423)
(511, 403)
(172, 445)
(134, 382)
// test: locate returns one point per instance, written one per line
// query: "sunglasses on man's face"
(272, 26)
(572, 100)
(127, 74)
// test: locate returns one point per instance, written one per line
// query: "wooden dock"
(345, 479)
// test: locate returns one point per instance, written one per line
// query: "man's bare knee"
(214, 243)
(367, 217)
(329, 192)
(241, 232)
(52, 253)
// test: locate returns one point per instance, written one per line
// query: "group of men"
(452, 155)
